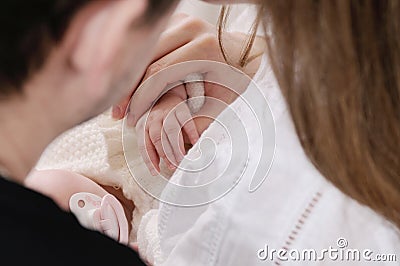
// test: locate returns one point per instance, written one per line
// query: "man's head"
(82, 55)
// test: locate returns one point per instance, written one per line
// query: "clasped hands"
(165, 126)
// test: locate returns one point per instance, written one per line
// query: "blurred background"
(207, 11)
(200, 9)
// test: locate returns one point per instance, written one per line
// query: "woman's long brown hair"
(338, 65)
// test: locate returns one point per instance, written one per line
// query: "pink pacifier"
(105, 215)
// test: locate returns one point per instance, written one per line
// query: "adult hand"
(188, 39)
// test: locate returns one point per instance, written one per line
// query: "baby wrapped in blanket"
(75, 164)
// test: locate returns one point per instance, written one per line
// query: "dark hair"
(29, 30)
(338, 65)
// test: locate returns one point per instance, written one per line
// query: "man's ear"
(99, 31)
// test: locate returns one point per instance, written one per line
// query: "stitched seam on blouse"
(164, 217)
(213, 248)
(299, 225)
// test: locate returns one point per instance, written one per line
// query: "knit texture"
(94, 149)
(149, 240)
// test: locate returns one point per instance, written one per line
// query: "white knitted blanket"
(95, 149)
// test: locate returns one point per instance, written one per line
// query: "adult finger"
(118, 111)
(154, 87)
(182, 30)
(180, 33)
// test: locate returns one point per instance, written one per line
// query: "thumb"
(119, 110)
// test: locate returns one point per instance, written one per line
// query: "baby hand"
(161, 134)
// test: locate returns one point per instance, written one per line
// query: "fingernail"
(153, 172)
(171, 167)
(116, 112)
(131, 120)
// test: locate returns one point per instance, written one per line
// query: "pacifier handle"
(105, 215)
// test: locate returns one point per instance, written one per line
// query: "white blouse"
(294, 217)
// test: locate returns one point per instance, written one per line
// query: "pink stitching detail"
(300, 223)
